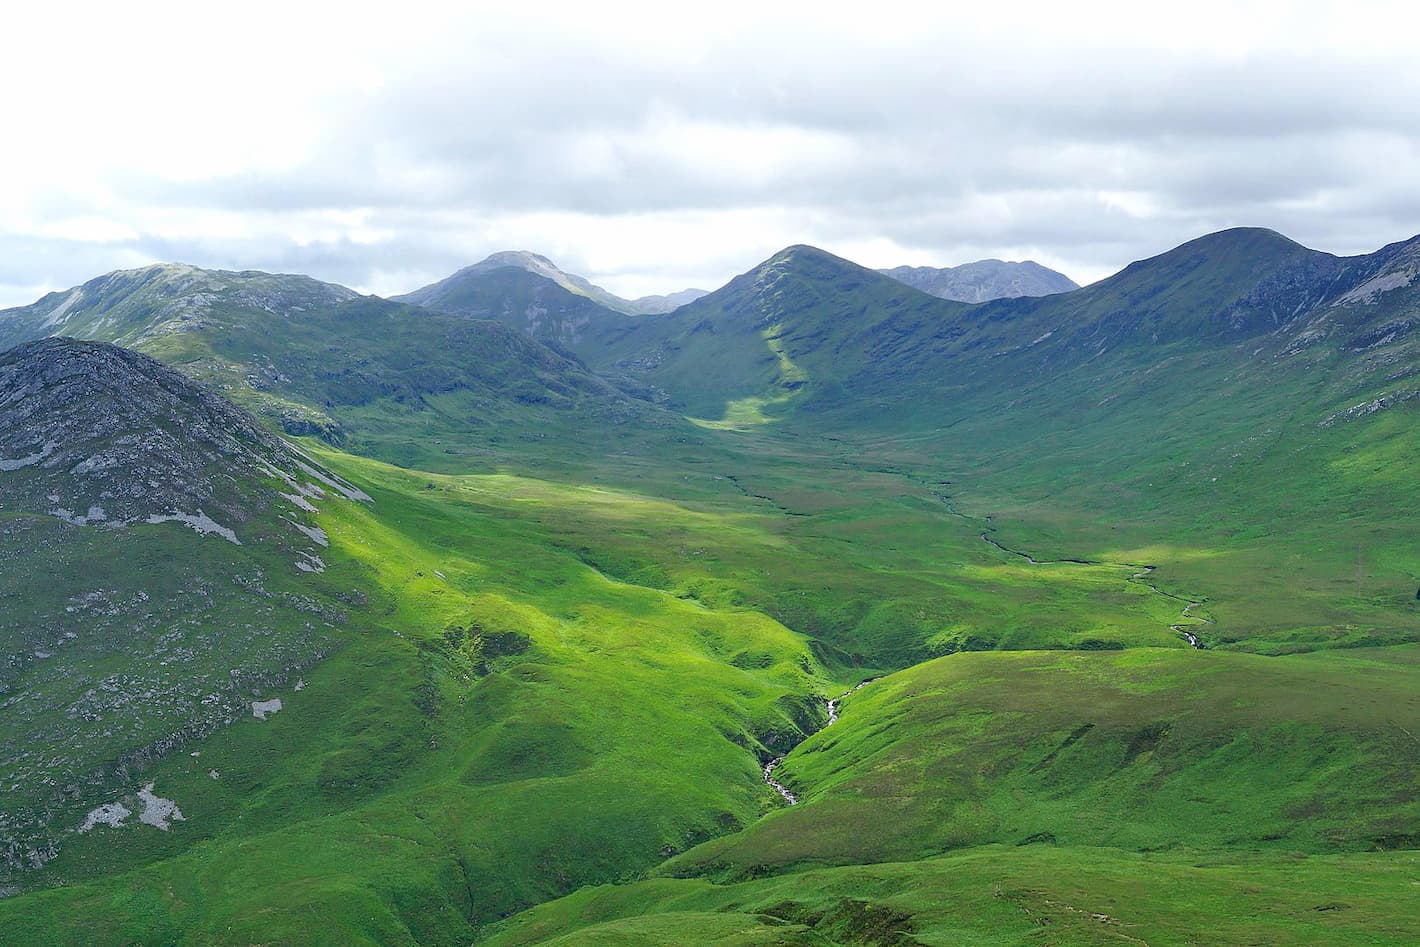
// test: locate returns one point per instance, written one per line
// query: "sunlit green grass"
(1144, 750)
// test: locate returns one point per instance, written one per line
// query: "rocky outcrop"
(159, 573)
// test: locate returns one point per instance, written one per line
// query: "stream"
(1178, 627)
(773, 764)
(1141, 577)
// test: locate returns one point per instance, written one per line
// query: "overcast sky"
(652, 149)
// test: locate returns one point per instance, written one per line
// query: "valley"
(814, 610)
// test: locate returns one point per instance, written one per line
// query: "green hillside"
(1128, 568)
(385, 379)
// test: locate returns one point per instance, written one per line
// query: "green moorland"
(556, 685)
(545, 717)
(997, 896)
(487, 714)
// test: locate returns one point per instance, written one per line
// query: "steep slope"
(162, 569)
(984, 280)
(744, 351)
(809, 332)
(389, 379)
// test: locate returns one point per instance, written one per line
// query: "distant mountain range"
(809, 329)
(316, 358)
(984, 280)
(529, 292)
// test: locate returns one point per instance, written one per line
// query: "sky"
(653, 147)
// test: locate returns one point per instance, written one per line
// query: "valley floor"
(549, 715)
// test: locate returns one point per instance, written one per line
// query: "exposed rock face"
(984, 280)
(98, 435)
(159, 572)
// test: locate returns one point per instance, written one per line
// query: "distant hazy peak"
(984, 280)
(539, 265)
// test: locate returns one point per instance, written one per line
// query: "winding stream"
(1184, 616)
(1142, 577)
(773, 764)
(1179, 627)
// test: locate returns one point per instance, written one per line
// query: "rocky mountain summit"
(94, 434)
(984, 280)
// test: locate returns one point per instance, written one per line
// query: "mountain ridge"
(318, 359)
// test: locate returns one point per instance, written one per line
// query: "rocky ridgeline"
(131, 306)
(983, 280)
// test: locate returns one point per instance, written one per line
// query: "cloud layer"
(651, 148)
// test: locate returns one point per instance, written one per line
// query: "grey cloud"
(948, 150)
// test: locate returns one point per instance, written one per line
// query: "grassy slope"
(633, 724)
(402, 797)
(1144, 750)
(418, 796)
(365, 824)
(1157, 797)
(1004, 895)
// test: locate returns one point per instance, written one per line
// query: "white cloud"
(652, 146)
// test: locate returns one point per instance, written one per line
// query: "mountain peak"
(461, 282)
(522, 259)
(984, 280)
(805, 251)
(1258, 240)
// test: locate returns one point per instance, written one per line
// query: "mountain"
(318, 359)
(1092, 613)
(162, 569)
(524, 300)
(457, 291)
(655, 305)
(130, 307)
(984, 280)
(808, 330)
